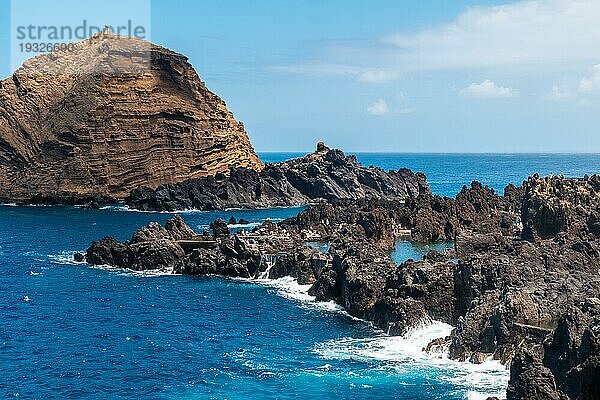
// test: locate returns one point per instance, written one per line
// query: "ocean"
(68, 330)
(448, 173)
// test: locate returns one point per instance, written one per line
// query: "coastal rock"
(476, 210)
(303, 263)
(554, 205)
(219, 228)
(431, 218)
(326, 174)
(326, 288)
(111, 252)
(530, 380)
(110, 114)
(150, 248)
(572, 352)
(511, 293)
(480, 242)
(366, 219)
(568, 365)
(361, 282)
(416, 292)
(178, 229)
(530, 299)
(512, 296)
(265, 253)
(356, 279)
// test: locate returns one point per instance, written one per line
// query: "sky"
(393, 76)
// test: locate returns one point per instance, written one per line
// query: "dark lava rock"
(91, 205)
(219, 227)
(556, 204)
(530, 380)
(178, 229)
(525, 287)
(568, 365)
(356, 278)
(326, 174)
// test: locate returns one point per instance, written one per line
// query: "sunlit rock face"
(106, 115)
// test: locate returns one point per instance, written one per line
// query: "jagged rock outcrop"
(430, 218)
(511, 293)
(567, 366)
(371, 220)
(326, 174)
(107, 115)
(528, 296)
(556, 205)
(268, 252)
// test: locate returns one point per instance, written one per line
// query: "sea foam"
(127, 209)
(477, 381)
(405, 353)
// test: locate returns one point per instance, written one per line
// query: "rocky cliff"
(324, 174)
(110, 114)
(521, 284)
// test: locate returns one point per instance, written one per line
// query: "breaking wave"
(406, 354)
(403, 354)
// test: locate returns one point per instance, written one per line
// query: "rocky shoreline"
(522, 284)
(326, 174)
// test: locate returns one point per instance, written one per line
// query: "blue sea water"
(68, 330)
(447, 173)
(404, 251)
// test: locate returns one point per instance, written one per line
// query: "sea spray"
(477, 381)
(268, 261)
(405, 355)
(399, 353)
(289, 288)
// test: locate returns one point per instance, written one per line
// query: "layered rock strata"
(104, 116)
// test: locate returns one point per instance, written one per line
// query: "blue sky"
(427, 76)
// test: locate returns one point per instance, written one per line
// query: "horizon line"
(435, 152)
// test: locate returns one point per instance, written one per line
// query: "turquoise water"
(406, 250)
(71, 331)
(447, 173)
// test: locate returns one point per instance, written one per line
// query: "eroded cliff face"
(110, 114)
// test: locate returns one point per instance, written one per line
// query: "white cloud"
(559, 93)
(487, 89)
(525, 32)
(534, 34)
(591, 84)
(583, 91)
(377, 76)
(370, 75)
(406, 110)
(380, 107)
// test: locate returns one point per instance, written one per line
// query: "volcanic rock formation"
(521, 285)
(109, 114)
(325, 174)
